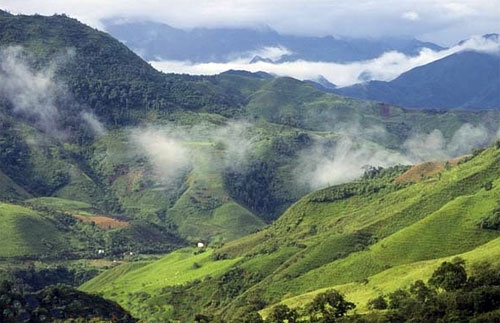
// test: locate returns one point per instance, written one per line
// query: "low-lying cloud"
(31, 93)
(238, 143)
(322, 166)
(384, 68)
(434, 146)
(175, 150)
(93, 122)
(325, 164)
(170, 156)
(36, 95)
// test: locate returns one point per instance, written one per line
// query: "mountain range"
(157, 41)
(467, 79)
(112, 174)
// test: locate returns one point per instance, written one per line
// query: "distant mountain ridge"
(466, 79)
(247, 141)
(156, 41)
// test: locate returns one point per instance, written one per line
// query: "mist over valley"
(249, 176)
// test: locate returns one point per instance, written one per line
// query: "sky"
(444, 22)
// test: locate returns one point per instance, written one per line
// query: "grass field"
(26, 233)
(150, 277)
(367, 244)
(397, 277)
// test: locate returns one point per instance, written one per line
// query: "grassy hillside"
(397, 277)
(353, 237)
(159, 161)
(53, 229)
(26, 233)
(237, 181)
(138, 284)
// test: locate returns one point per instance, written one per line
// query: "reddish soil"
(425, 170)
(103, 222)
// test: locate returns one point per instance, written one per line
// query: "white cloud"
(433, 146)
(169, 155)
(93, 122)
(322, 166)
(444, 19)
(411, 15)
(459, 9)
(385, 68)
(31, 92)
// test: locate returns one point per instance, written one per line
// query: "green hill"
(57, 229)
(113, 155)
(246, 137)
(26, 233)
(351, 237)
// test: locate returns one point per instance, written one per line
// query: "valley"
(219, 197)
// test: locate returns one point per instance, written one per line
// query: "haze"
(441, 21)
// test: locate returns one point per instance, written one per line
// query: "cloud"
(33, 94)
(329, 163)
(175, 150)
(321, 165)
(384, 68)
(169, 155)
(433, 146)
(430, 146)
(444, 19)
(411, 15)
(93, 122)
(36, 95)
(237, 142)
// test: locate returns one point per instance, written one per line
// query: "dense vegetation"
(451, 295)
(96, 74)
(74, 192)
(365, 239)
(57, 303)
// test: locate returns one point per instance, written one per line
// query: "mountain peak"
(4, 13)
(492, 36)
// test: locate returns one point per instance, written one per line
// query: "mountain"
(193, 156)
(466, 79)
(367, 238)
(156, 41)
(107, 164)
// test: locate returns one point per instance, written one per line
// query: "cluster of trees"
(32, 278)
(450, 295)
(374, 179)
(57, 303)
(327, 307)
(491, 221)
(253, 188)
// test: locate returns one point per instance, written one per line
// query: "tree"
(449, 276)
(329, 306)
(282, 314)
(377, 303)
(250, 317)
(398, 299)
